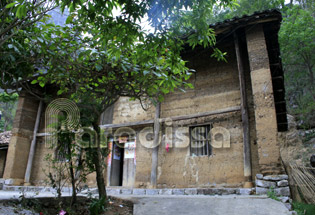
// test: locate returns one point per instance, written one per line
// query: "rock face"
(279, 183)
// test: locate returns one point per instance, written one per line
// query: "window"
(200, 140)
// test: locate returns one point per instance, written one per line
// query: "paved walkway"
(206, 205)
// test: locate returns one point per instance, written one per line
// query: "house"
(4, 144)
(219, 134)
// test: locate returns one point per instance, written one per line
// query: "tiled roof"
(5, 138)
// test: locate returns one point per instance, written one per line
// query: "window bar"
(200, 140)
(207, 147)
(210, 148)
(203, 142)
(197, 142)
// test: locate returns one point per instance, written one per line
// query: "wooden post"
(33, 144)
(155, 150)
(245, 120)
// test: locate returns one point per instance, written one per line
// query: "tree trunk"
(74, 192)
(98, 163)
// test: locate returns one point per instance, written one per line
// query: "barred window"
(200, 140)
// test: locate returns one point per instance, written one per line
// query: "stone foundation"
(279, 183)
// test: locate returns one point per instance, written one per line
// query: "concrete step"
(34, 189)
(182, 191)
(139, 191)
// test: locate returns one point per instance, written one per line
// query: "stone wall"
(278, 183)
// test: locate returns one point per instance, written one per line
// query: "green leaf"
(98, 67)
(59, 92)
(42, 84)
(10, 5)
(34, 82)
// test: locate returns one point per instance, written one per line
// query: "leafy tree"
(7, 107)
(99, 56)
(297, 44)
(19, 31)
(244, 7)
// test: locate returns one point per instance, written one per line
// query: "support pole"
(245, 118)
(33, 144)
(155, 150)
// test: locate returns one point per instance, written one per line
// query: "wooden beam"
(175, 118)
(244, 110)
(155, 150)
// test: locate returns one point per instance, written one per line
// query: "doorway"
(117, 165)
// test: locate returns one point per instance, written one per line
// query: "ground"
(168, 204)
(45, 204)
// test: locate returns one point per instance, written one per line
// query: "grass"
(272, 194)
(304, 209)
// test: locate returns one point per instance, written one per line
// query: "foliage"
(272, 194)
(30, 202)
(20, 36)
(244, 7)
(8, 103)
(308, 136)
(97, 206)
(303, 209)
(65, 164)
(297, 44)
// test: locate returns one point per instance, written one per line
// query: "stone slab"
(114, 192)
(178, 191)
(152, 191)
(138, 191)
(266, 184)
(191, 191)
(283, 183)
(276, 177)
(259, 176)
(126, 191)
(282, 191)
(261, 190)
(166, 192)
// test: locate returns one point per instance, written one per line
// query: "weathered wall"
(131, 111)
(22, 133)
(216, 87)
(265, 115)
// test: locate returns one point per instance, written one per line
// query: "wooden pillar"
(264, 107)
(33, 144)
(22, 132)
(245, 118)
(155, 150)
